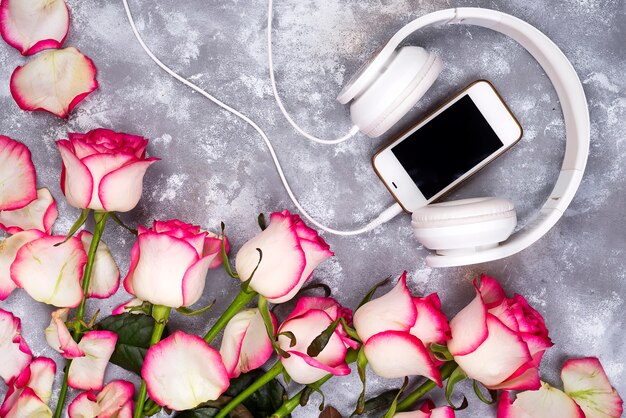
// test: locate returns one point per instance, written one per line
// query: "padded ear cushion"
(405, 80)
(465, 224)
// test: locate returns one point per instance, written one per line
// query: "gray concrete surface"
(215, 168)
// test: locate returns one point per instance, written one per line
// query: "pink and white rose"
(169, 263)
(428, 410)
(103, 170)
(183, 371)
(114, 401)
(14, 351)
(31, 390)
(499, 341)
(311, 316)
(245, 344)
(397, 330)
(18, 181)
(291, 251)
(40, 214)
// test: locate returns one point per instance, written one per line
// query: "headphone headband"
(571, 96)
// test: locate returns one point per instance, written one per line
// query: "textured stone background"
(216, 168)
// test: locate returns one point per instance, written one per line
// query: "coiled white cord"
(353, 131)
(385, 216)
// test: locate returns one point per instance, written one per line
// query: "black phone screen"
(447, 147)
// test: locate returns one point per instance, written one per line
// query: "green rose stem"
(241, 300)
(160, 314)
(259, 383)
(100, 219)
(446, 370)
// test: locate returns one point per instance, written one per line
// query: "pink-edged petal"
(245, 344)
(105, 277)
(491, 291)
(314, 254)
(84, 406)
(393, 354)
(393, 311)
(320, 368)
(182, 371)
(283, 261)
(32, 26)
(28, 405)
(498, 357)
(100, 165)
(76, 181)
(431, 325)
(38, 376)
(54, 81)
(120, 190)
(585, 381)
(213, 244)
(527, 376)
(126, 411)
(88, 372)
(14, 352)
(51, 274)
(308, 303)
(161, 263)
(428, 410)
(120, 309)
(195, 279)
(58, 336)
(547, 402)
(40, 214)
(8, 250)
(469, 327)
(114, 398)
(17, 175)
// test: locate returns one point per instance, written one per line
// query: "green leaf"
(190, 312)
(349, 330)
(202, 412)
(225, 261)
(313, 286)
(457, 376)
(122, 224)
(392, 409)
(306, 394)
(441, 352)
(245, 285)
(262, 223)
(320, 342)
(330, 412)
(291, 336)
(361, 363)
(380, 401)
(133, 338)
(269, 327)
(371, 292)
(84, 214)
(492, 393)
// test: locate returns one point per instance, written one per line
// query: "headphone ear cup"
(464, 225)
(401, 84)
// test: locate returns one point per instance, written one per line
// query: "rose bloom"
(499, 341)
(311, 316)
(291, 251)
(397, 330)
(169, 263)
(103, 170)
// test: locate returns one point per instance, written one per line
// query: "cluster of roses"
(496, 341)
(56, 80)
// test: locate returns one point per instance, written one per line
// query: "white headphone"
(466, 231)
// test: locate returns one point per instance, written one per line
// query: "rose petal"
(527, 376)
(88, 372)
(547, 402)
(120, 309)
(120, 190)
(491, 291)
(182, 371)
(469, 327)
(393, 311)
(28, 405)
(40, 214)
(14, 352)
(585, 381)
(393, 354)
(55, 81)
(8, 250)
(105, 277)
(58, 336)
(76, 180)
(498, 357)
(32, 26)
(213, 244)
(195, 279)
(17, 175)
(428, 410)
(431, 325)
(99, 165)
(84, 406)
(38, 376)
(51, 274)
(111, 402)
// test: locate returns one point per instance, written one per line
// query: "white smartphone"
(447, 147)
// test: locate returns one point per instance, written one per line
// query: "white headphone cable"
(385, 216)
(353, 131)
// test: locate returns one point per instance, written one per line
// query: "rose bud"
(14, 351)
(585, 381)
(183, 371)
(309, 319)
(103, 170)
(547, 402)
(291, 251)
(114, 401)
(400, 327)
(245, 344)
(499, 341)
(428, 410)
(169, 263)
(31, 390)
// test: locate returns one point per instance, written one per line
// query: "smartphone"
(448, 146)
